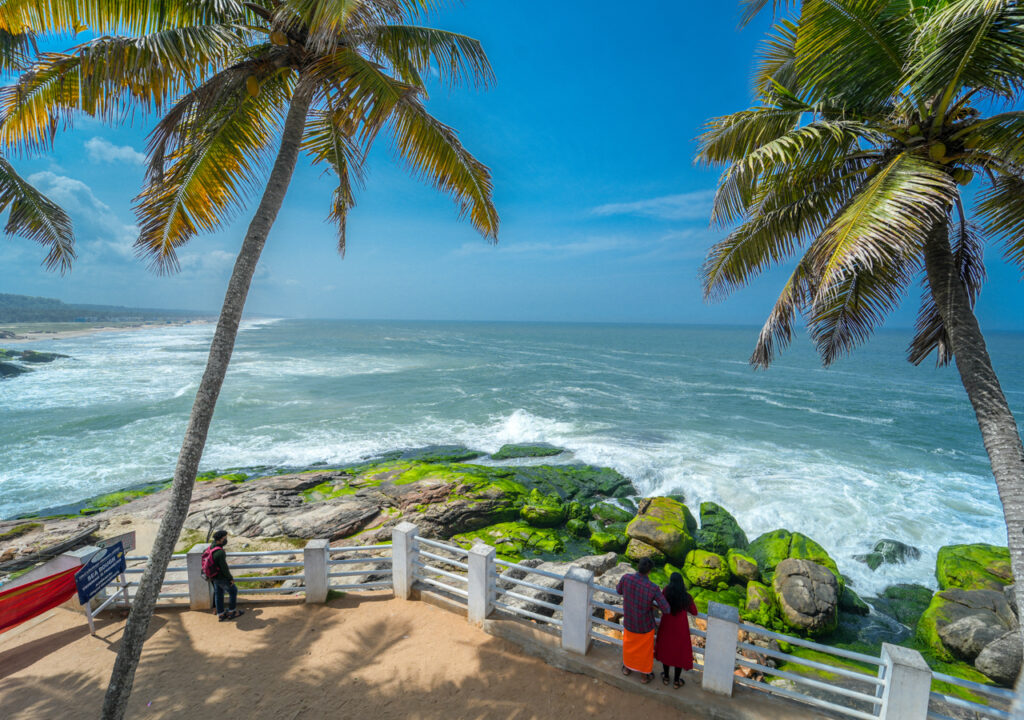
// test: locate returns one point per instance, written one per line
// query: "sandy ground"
(365, 656)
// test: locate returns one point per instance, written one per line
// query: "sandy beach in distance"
(36, 332)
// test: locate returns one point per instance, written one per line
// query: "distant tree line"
(24, 308)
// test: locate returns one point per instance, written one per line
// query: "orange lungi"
(638, 651)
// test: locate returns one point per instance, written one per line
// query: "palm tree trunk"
(116, 701)
(998, 427)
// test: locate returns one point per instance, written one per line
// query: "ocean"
(871, 448)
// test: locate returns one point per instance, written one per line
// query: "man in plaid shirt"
(639, 596)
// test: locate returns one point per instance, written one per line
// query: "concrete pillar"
(314, 560)
(908, 683)
(720, 648)
(481, 582)
(403, 553)
(576, 610)
(200, 593)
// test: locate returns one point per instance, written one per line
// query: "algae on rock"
(719, 530)
(667, 525)
(973, 567)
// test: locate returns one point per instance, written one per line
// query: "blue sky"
(589, 132)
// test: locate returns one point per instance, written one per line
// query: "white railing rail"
(901, 689)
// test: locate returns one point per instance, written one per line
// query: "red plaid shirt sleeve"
(639, 596)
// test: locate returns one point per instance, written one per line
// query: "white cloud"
(215, 263)
(97, 227)
(101, 150)
(687, 206)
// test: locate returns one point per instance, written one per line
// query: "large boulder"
(760, 606)
(808, 595)
(850, 602)
(719, 530)
(973, 567)
(706, 569)
(950, 606)
(887, 551)
(742, 566)
(969, 635)
(543, 510)
(637, 550)
(1000, 660)
(608, 541)
(773, 547)
(666, 524)
(608, 513)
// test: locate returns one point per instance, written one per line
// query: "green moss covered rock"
(543, 510)
(904, 603)
(759, 607)
(637, 549)
(719, 530)
(731, 595)
(667, 525)
(577, 528)
(513, 540)
(742, 566)
(608, 513)
(583, 483)
(973, 567)
(949, 606)
(773, 547)
(603, 542)
(706, 569)
(850, 602)
(526, 451)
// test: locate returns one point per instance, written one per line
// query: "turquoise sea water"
(871, 448)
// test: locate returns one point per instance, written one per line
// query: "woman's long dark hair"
(676, 594)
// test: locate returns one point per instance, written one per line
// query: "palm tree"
(327, 77)
(32, 214)
(871, 117)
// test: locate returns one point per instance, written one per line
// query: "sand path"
(365, 656)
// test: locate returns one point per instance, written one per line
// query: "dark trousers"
(219, 586)
(664, 671)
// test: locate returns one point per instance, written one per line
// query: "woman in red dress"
(673, 646)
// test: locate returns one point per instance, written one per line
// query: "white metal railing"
(901, 688)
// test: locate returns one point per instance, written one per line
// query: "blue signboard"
(100, 571)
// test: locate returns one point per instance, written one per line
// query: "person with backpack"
(215, 569)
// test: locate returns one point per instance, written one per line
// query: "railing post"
(403, 554)
(576, 610)
(908, 684)
(720, 648)
(481, 582)
(314, 567)
(200, 594)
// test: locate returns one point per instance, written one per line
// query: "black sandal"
(664, 678)
(231, 615)
(677, 684)
(626, 670)
(646, 679)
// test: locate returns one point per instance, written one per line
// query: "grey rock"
(1000, 660)
(889, 551)
(979, 601)
(594, 563)
(966, 637)
(808, 595)
(1010, 593)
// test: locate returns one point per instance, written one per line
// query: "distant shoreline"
(36, 332)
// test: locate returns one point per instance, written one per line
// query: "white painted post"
(908, 683)
(200, 593)
(720, 648)
(481, 582)
(576, 610)
(314, 561)
(403, 554)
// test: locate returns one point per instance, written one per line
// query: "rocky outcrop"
(597, 564)
(719, 530)
(808, 595)
(706, 569)
(1000, 660)
(887, 551)
(973, 567)
(667, 525)
(905, 603)
(773, 547)
(742, 566)
(637, 550)
(949, 607)
(969, 635)
(526, 451)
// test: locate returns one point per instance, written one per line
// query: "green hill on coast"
(28, 309)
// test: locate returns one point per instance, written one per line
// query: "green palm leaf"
(1001, 209)
(777, 332)
(36, 217)
(413, 50)
(327, 142)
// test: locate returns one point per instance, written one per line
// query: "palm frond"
(327, 142)
(433, 152)
(16, 50)
(36, 217)
(412, 51)
(852, 51)
(120, 17)
(930, 331)
(109, 78)
(969, 44)
(777, 332)
(752, 8)
(888, 218)
(776, 59)
(732, 137)
(1001, 209)
(207, 155)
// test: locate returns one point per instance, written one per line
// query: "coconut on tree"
(871, 119)
(243, 85)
